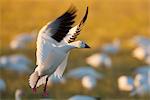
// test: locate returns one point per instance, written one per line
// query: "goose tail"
(32, 79)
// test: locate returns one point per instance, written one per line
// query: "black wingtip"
(65, 21)
(87, 9)
(85, 17)
(86, 14)
(72, 9)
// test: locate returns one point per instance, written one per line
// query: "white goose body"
(125, 83)
(54, 42)
(49, 56)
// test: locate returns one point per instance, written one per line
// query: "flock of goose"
(139, 84)
(50, 39)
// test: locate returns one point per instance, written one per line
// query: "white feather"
(41, 81)
(32, 79)
(61, 68)
(73, 30)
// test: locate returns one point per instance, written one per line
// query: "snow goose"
(56, 80)
(139, 53)
(4, 61)
(97, 60)
(141, 90)
(22, 40)
(112, 48)
(144, 70)
(18, 94)
(2, 85)
(54, 46)
(79, 73)
(142, 53)
(83, 97)
(140, 79)
(89, 82)
(17, 62)
(142, 84)
(141, 41)
(125, 83)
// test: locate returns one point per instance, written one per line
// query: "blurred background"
(116, 67)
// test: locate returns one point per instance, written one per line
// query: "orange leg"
(34, 89)
(45, 87)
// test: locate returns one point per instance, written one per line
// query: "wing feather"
(75, 31)
(43, 50)
(58, 28)
(61, 68)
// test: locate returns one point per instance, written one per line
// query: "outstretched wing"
(53, 33)
(75, 31)
(58, 29)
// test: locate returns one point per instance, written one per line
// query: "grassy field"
(108, 19)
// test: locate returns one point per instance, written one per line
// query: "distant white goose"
(18, 94)
(56, 80)
(112, 48)
(2, 85)
(144, 70)
(141, 90)
(142, 84)
(99, 59)
(79, 73)
(15, 62)
(125, 83)
(21, 41)
(140, 79)
(141, 41)
(83, 97)
(147, 60)
(53, 47)
(139, 53)
(4, 61)
(142, 53)
(89, 82)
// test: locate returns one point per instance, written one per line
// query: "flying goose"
(54, 43)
